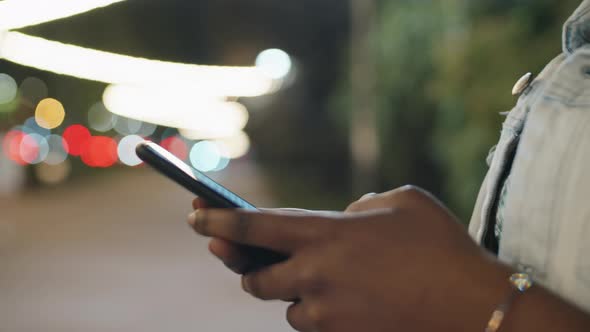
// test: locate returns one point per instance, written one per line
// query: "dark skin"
(397, 261)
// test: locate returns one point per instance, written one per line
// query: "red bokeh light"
(29, 149)
(11, 146)
(76, 138)
(176, 146)
(100, 151)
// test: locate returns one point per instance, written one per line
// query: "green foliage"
(446, 71)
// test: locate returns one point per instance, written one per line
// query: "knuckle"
(251, 284)
(309, 280)
(410, 189)
(316, 315)
(413, 192)
(355, 207)
(367, 196)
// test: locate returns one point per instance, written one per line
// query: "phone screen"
(190, 178)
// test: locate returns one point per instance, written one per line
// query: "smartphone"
(201, 185)
(196, 182)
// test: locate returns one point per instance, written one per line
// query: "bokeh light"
(58, 150)
(275, 63)
(34, 148)
(205, 156)
(126, 150)
(168, 132)
(8, 88)
(235, 146)
(175, 145)
(50, 113)
(147, 129)
(11, 146)
(76, 137)
(126, 126)
(100, 152)
(223, 163)
(53, 174)
(33, 89)
(32, 127)
(100, 119)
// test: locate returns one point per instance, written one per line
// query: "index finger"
(280, 232)
(199, 203)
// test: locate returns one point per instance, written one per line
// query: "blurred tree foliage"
(446, 69)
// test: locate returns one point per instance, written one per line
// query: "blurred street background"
(305, 104)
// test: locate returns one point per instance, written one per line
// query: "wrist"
(495, 291)
(537, 309)
(483, 288)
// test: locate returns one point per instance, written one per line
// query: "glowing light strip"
(15, 14)
(208, 118)
(121, 69)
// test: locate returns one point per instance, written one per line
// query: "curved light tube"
(209, 117)
(16, 14)
(114, 68)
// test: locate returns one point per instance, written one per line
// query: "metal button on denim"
(521, 85)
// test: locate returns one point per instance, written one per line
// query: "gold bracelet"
(520, 282)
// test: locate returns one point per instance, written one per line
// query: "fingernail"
(192, 218)
(245, 285)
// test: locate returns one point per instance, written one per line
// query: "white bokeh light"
(223, 163)
(205, 156)
(147, 129)
(100, 119)
(275, 63)
(126, 150)
(8, 89)
(126, 126)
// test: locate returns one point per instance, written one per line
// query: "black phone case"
(260, 257)
(215, 200)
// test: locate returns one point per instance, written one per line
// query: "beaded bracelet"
(520, 283)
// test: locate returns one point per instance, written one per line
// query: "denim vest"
(545, 147)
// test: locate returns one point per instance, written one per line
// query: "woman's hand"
(234, 256)
(406, 264)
